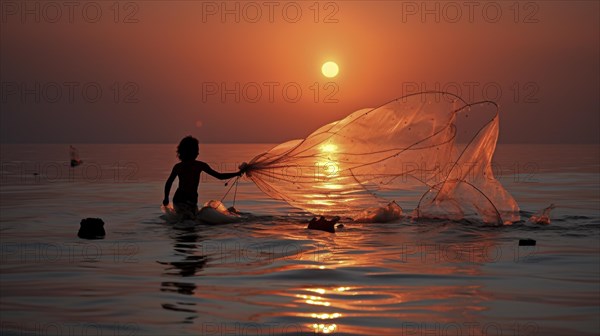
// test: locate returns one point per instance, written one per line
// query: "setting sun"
(328, 148)
(330, 69)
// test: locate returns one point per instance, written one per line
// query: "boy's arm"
(216, 174)
(168, 185)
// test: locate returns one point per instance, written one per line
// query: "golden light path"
(324, 328)
(327, 174)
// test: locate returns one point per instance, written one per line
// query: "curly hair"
(188, 149)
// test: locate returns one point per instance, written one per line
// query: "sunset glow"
(300, 167)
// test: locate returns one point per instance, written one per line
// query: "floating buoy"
(91, 228)
(526, 242)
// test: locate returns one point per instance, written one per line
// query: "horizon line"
(254, 143)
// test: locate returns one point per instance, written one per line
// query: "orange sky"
(162, 75)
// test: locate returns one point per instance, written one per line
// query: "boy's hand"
(242, 168)
(166, 201)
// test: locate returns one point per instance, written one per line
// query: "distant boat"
(74, 153)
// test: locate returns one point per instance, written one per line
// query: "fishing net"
(432, 147)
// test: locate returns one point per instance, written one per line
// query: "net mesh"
(432, 148)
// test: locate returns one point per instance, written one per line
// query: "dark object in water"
(74, 154)
(91, 228)
(323, 224)
(526, 242)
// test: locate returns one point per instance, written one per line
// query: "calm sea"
(271, 276)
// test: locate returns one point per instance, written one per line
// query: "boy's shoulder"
(193, 163)
(189, 163)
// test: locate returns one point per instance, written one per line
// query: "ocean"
(272, 276)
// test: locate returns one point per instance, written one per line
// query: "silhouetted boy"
(188, 171)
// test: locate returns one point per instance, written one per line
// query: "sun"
(328, 148)
(330, 69)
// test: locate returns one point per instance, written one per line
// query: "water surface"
(271, 276)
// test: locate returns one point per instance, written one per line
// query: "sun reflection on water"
(318, 326)
(324, 328)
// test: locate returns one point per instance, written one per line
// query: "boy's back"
(188, 173)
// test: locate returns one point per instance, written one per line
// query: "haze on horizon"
(250, 72)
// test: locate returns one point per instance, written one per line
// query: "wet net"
(431, 149)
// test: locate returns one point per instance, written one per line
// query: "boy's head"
(188, 149)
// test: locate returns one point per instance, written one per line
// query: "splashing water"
(543, 216)
(432, 144)
(213, 212)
